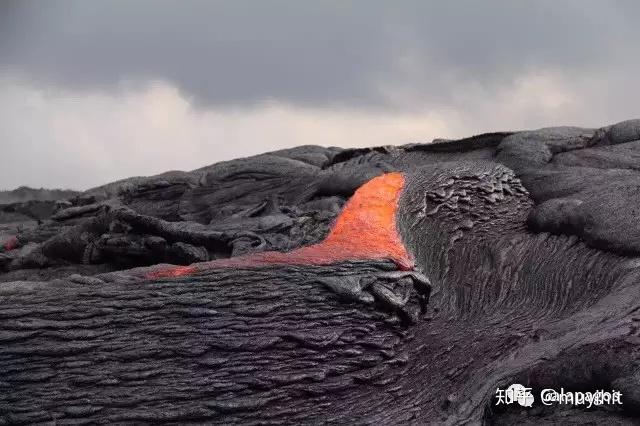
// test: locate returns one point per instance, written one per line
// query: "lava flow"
(365, 229)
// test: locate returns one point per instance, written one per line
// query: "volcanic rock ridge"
(391, 285)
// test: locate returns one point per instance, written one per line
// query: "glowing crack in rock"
(10, 244)
(365, 229)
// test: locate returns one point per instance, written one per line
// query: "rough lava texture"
(24, 194)
(388, 285)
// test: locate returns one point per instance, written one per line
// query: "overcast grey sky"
(93, 91)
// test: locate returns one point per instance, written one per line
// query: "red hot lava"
(366, 229)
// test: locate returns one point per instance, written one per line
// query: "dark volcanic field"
(525, 268)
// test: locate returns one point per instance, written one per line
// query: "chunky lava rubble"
(387, 285)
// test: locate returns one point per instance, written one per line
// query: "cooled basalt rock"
(390, 285)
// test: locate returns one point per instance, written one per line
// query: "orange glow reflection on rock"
(10, 244)
(366, 229)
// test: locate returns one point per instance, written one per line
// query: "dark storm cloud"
(82, 82)
(312, 53)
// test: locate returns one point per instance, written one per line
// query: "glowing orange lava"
(366, 229)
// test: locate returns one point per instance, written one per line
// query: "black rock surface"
(25, 193)
(526, 250)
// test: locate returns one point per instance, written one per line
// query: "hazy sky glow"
(91, 92)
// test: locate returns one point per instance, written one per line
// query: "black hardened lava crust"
(525, 247)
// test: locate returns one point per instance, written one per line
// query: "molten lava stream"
(365, 229)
